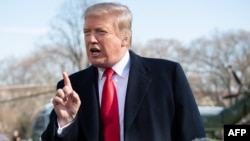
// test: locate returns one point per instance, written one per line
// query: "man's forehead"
(100, 22)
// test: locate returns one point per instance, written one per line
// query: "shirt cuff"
(60, 129)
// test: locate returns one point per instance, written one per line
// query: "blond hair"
(121, 14)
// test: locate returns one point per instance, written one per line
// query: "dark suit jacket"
(159, 105)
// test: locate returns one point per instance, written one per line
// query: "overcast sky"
(23, 22)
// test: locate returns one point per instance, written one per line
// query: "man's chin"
(100, 64)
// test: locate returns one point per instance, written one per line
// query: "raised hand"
(66, 102)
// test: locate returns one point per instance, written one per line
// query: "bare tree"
(43, 66)
(162, 48)
(168, 49)
(67, 30)
(242, 62)
(212, 57)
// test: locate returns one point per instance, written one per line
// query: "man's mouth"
(95, 51)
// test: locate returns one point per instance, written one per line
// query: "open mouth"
(95, 51)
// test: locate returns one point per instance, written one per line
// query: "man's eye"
(86, 32)
(101, 31)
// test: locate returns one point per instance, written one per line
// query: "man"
(153, 99)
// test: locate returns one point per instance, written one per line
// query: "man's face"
(104, 46)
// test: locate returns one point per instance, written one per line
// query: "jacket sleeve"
(69, 133)
(50, 132)
(187, 122)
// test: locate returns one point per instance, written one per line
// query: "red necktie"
(109, 109)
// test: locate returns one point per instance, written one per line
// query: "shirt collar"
(121, 68)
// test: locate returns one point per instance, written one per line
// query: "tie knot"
(109, 72)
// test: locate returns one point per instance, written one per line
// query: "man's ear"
(126, 41)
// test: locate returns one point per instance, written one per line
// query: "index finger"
(66, 79)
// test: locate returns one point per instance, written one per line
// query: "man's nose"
(92, 37)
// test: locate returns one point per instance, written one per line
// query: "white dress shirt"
(120, 79)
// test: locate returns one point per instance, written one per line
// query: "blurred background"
(40, 39)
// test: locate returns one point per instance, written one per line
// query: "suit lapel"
(137, 86)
